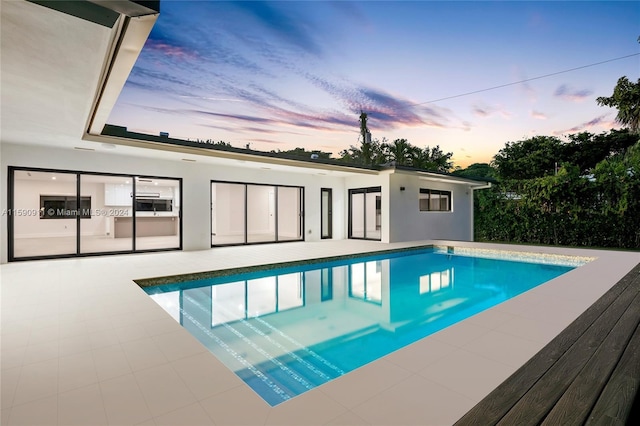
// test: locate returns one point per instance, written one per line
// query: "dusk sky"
(280, 75)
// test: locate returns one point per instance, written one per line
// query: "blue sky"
(280, 75)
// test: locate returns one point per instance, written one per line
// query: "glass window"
(227, 213)
(68, 213)
(157, 221)
(109, 227)
(289, 210)
(243, 213)
(261, 213)
(38, 197)
(365, 213)
(434, 200)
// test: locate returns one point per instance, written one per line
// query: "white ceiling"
(51, 67)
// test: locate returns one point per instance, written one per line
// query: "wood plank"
(576, 403)
(495, 405)
(618, 396)
(543, 395)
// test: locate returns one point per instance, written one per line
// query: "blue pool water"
(286, 331)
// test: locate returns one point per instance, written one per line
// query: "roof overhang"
(446, 178)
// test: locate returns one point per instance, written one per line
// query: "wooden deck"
(589, 374)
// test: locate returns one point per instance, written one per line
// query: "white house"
(63, 66)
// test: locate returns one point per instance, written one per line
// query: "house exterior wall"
(196, 186)
(401, 217)
(408, 223)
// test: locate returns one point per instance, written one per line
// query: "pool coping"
(433, 381)
(543, 258)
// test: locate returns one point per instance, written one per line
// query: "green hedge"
(567, 209)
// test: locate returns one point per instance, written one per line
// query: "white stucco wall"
(196, 186)
(408, 223)
(401, 217)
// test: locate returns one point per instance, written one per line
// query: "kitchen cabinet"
(117, 194)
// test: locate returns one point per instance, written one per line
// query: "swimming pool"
(286, 331)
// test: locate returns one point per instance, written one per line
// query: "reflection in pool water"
(287, 331)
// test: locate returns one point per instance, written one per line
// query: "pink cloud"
(539, 115)
(169, 50)
(599, 122)
(567, 93)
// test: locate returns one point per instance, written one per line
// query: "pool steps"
(299, 373)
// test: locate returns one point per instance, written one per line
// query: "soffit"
(51, 66)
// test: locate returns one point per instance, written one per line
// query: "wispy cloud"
(602, 121)
(389, 111)
(567, 93)
(482, 110)
(539, 115)
(172, 51)
(295, 30)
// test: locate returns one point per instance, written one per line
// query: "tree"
(476, 170)
(585, 149)
(303, 153)
(369, 153)
(535, 157)
(626, 98)
(433, 159)
(400, 151)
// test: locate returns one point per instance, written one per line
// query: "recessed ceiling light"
(189, 159)
(79, 148)
(53, 177)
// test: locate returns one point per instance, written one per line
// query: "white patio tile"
(124, 403)
(415, 401)
(191, 415)
(163, 390)
(237, 406)
(76, 371)
(360, 385)
(467, 373)
(37, 380)
(81, 407)
(42, 412)
(204, 375)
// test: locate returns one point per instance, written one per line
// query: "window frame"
(439, 192)
(69, 207)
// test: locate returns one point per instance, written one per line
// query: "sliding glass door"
(43, 213)
(243, 213)
(289, 211)
(108, 226)
(68, 213)
(228, 206)
(157, 213)
(365, 213)
(261, 214)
